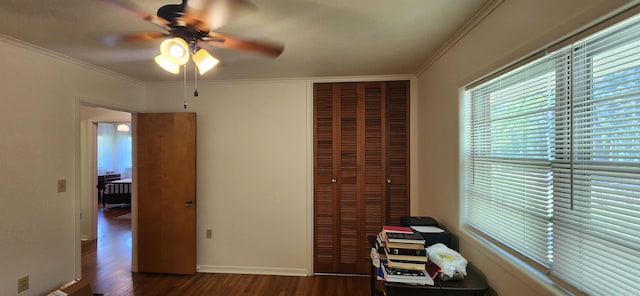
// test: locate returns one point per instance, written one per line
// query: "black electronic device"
(436, 232)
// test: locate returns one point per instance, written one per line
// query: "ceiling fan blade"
(117, 39)
(228, 41)
(144, 36)
(139, 12)
(212, 14)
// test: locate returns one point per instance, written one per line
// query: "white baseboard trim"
(84, 237)
(252, 270)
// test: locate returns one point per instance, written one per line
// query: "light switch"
(62, 185)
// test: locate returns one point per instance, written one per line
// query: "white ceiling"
(322, 37)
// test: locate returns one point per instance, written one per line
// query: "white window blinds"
(509, 177)
(597, 206)
(552, 152)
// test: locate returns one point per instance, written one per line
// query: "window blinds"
(509, 178)
(597, 207)
(552, 152)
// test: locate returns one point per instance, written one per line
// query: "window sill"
(534, 279)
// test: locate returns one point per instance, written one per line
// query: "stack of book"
(404, 255)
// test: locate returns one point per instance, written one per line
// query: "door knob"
(388, 180)
(333, 180)
(188, 203)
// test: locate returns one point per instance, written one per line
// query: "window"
(114, 150)
(552, 152)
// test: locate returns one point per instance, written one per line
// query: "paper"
(375, 258)
(427, 229)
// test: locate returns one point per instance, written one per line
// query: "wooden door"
(352, 145)
(325, 188)
(166, 180)
(397, 156)
(347, 172)
(373, 167)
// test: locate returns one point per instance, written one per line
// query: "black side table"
(474, 284)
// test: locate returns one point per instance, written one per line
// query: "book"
(409, 276)
(404, 246)
(414, 258)
(396, 229)
(410, 265)
(408, 238)
(406, 251)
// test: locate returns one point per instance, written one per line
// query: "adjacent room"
(258, 147)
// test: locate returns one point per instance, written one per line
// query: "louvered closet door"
(348, 209)
(397, 171)
(352, 145)
(325, 197)
(373, 167)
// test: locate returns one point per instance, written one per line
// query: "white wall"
(513, 30)
(252, 170)
(38, 143)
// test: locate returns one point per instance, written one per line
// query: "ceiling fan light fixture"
(204, 61)
(123, 127)
(167, 65)
(175, 50)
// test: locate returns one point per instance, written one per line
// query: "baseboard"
(253, 270)
(84, 238)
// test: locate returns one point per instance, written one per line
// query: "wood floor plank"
(106, 264)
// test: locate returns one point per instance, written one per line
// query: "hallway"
(106, 262)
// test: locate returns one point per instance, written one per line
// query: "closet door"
(348, 175)
(325, 196)
(397, 157)
(373, 167)
(357, 133)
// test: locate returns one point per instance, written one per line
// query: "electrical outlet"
(209, 233)
(62, 185)
(23, 284)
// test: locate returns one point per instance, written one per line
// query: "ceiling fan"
(188, 28)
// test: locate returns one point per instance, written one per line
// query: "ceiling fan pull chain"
(185, 86)
(195, 74)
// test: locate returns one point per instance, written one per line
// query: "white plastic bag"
(452, 264)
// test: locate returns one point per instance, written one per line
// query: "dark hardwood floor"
(106, 264)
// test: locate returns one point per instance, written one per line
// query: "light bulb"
(175, 50)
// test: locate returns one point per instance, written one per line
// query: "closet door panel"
(397, 94)
(373, 165)
(348, 176)
(325, 235)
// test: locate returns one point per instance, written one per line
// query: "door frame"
(80, 182)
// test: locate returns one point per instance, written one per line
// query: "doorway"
(99, 128)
